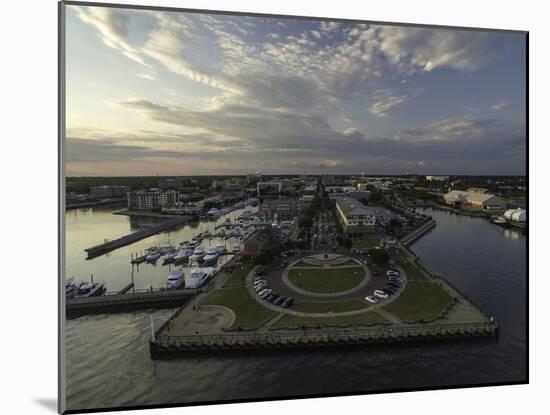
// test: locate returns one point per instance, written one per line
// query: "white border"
(29, 170)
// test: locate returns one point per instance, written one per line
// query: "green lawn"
(335, 307)
(420, 300)
(326, 280)
(249, 313)
(295, 321)
(236, 279)
(412, 271)
(366, 243)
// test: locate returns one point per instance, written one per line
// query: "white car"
(381, 294)
(390, 273)
(371, 299)
(265, 290)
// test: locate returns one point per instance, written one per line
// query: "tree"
(348, 243)
(379, 256)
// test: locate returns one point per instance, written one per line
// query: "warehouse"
(474, 200)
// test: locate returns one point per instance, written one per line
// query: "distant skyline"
(173, 93)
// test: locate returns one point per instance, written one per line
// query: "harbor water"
(108, 361)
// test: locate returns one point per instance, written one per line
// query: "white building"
(356, 218)
(516, 215)
(152, 198)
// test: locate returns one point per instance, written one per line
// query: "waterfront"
(88, 227)
(108, 361)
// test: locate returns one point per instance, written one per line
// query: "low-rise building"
(152, 199)
(437, 178)
(473, 200)
(284, 208)
(516, 215)
(106, 192)
(357, 219)
(268, 189)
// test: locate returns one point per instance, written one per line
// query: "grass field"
(326, 280)
(412, 271)
(335, 307)
(249, 313)
(366, 243)
(236, 279)
(297, 321)
(420, 300)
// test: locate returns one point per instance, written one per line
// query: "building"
(362, 186)
(152, 199)
(256, 242)
(357, 219)
(362, 196)
(516, 215)
(477, 190)
(106, 192)
(268, 189)
(285, 208)
(473, 200)
(437, 178)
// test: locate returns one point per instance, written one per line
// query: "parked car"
(262, 292)
(257, 280)
(272, 297)
(279, 300)
(371, 299)
(288, 302)
(265, 293)
(260, 288)
(260, 283)
(381, 294)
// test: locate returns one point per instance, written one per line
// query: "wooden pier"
(108, 246)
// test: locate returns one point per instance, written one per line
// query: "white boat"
(193, 244)
(198, 253)
(236, 248)
(184, 244)
(182, 255)
(176, 279)
(211, 256)
(71, 289)
(214, 213)
(169, 257)
(152, 256)
(221, 249)
(90, 290)
(199, 276)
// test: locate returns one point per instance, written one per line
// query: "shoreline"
(146, 214)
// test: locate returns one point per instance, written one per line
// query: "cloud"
(385, 105)
(147, 76)
(499, 106)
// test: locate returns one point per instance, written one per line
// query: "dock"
(108, 246)
(117, 302)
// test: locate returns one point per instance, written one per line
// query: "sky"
(179, 93)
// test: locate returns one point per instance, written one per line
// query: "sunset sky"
(174, 93)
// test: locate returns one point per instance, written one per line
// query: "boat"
(182, 255)
(176, 279)
(193, 244)
(198, 253)
(169, 257)
(227, 222)
(221, 249)
(87, 289)
(225, 211)
(152, 256)
(164, 249)
(71, 289)
(213, 213)
(199, 276)
(211, 256)
(236, 248)
(500, 220)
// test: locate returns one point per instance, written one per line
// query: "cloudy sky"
(174, 93)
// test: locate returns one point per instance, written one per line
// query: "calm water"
(108, 360)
